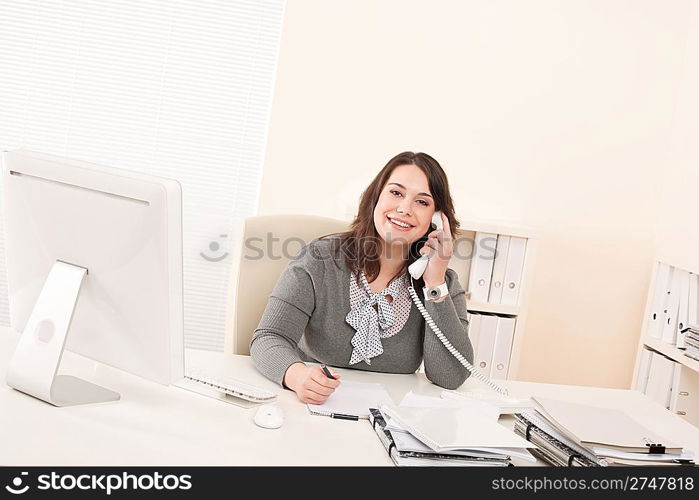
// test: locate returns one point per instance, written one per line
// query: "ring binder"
(528, 432)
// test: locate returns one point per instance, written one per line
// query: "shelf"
(492, 308)
(498, 228)
(672, 352)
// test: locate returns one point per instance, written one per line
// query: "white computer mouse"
(269, 417)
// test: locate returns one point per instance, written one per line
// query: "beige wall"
(555, 115)
(678, 221)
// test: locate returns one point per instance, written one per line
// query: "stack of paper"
(691, 341)
(458, 435)
(573, 434)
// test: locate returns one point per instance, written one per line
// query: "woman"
(344, 300)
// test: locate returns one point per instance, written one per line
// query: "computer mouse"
(269, 417)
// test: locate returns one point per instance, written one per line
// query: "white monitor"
(94, 263)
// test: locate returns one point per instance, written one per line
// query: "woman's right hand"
(310, 383)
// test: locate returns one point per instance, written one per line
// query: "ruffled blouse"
(374, 317)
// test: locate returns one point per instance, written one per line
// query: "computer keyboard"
(230, 386)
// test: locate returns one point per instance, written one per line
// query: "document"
(352, 399)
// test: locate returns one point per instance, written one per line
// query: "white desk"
(157, 425)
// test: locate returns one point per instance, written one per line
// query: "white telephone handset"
(416, 270)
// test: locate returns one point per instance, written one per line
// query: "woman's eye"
(424, 203)
(396, 193)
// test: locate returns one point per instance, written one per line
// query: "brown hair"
(361, 245)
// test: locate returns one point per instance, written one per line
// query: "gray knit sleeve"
(441, 367)
(274, 344)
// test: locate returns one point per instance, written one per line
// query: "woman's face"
(404, 200)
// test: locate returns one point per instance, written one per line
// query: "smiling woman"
(344, 300)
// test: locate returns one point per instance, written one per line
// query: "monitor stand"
(34, 365)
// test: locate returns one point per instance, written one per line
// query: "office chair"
(255, 271)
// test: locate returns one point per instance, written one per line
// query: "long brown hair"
(361, 245)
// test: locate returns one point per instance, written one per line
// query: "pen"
(327, 372)
(342, 416)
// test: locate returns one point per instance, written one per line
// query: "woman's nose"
(404, 207)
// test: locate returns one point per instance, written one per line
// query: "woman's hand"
(440, 247)
(309, 383)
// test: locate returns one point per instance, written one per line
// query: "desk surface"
(158, 425)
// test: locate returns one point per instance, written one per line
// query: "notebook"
(353, 399)
(601, 427)
(447, 429)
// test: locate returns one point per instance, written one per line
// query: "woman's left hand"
(440, 247)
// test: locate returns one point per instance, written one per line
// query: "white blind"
(177, 88)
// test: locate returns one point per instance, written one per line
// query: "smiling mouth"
(407, 226)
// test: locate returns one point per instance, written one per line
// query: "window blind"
(181, 89)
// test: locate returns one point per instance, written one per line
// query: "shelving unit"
(461, 263)
(689, 367)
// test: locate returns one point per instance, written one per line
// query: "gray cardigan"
(305, 321)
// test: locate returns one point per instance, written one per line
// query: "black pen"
(327, 372)
(342, 416)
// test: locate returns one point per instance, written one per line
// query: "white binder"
(660, 379)
(482, 266)
(657, 319)
(683, 308)
(486, 344)
(513, 273)
(693, 300)
(672, 305)
(684, 399)
(497, 283)
(643, 370)
(474, 330)
(504, 334)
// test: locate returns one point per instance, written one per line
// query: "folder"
(683, 307)
(672, 305)
(601, 427)
(486, 344)
(497, 282)
(513, 273)
(482, 266)
(657, 316)
(505, 332)
(643, 370)
(474, 330)
(447, 429)
(660, 379)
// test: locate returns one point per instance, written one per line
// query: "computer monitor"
(94, 263)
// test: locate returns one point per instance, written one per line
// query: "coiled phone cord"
(450, 347)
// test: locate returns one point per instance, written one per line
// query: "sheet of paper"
(353, 398)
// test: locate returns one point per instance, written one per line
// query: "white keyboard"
(231, 387)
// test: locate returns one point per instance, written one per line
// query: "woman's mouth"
(399, 225)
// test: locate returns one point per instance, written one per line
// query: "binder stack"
(446, 436)
(403, 457)
(569, 434)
